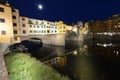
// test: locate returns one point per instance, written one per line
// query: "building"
(111, 24)
(16, 25)
(41, 27)
(61, 27)
(24, 28)
(6, 26)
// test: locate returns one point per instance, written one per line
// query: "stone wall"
(3, 69)
(48, 39)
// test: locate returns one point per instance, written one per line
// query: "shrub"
(23, 67)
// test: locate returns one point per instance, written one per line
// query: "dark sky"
(68, 11)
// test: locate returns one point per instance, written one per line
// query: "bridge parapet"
(48, 39)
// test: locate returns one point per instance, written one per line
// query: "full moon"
(40, 6)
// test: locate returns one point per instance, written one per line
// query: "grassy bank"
(23, 67)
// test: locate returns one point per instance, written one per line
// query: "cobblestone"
(3, 70)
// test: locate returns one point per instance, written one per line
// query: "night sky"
(68, 11)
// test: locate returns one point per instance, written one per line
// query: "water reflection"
(79, 61)
(59, 61)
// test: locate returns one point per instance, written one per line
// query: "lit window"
(2, 20)
(1, 9)
(3, 32)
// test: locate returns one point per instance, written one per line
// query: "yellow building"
(68, 27)
(24, 28)
(16, 26)
(6, 26)
(61, 27)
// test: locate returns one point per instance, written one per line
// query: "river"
(83, 61)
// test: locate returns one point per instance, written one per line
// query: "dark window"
(30, 25)
(34, 31)
(23, 19)
(14, 24)
(48, 31)
(36, 22)
(44, 31)
(15, 31)
(1, 9)
(30, 31)
(14, 17)
(13, 10)
(3, 32)
(37, 26)
(55, 31)
(23, 25)
(24, 31)
(15, 38)
(2, 20)
(30, 22)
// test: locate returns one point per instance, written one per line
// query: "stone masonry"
(3, 70)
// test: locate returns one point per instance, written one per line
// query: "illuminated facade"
(37, 27)
(112, 24)
(24, 29)
(6, 26)
(61, 27)
(13, 26)
(16, 26)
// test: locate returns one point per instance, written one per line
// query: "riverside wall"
(3, 69)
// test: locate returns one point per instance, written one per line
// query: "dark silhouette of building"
(2, 1)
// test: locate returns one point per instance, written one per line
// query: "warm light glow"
(75, 52)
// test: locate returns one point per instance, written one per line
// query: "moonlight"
(40, 6)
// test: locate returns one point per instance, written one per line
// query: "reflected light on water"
(116, 52)
(75, 52)
(105, 45)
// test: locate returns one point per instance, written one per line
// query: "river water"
(83, 61)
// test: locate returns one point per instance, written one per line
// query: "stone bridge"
(48, 39)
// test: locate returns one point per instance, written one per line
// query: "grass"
(24, 67)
